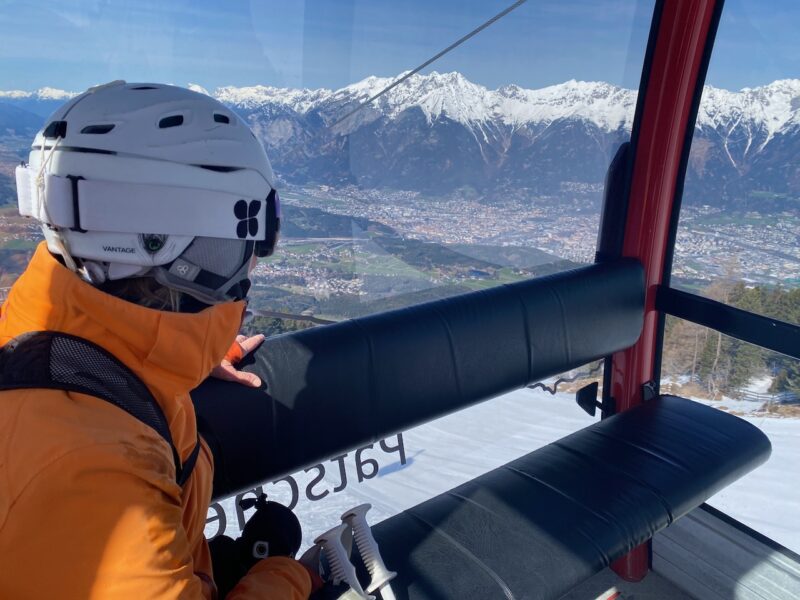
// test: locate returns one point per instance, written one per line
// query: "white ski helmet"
(152, 180)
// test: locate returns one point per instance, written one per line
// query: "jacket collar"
(171, 352)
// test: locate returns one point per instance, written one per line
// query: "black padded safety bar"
(331, 389)
(756, 329)
(537, 526)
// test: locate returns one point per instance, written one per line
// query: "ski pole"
(370, 554)
(341, 567)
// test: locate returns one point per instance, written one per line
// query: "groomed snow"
(459, 447)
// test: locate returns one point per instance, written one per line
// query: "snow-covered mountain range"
(44, 94)
(440, 132)
(452, 96)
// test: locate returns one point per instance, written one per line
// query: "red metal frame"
(677, 56)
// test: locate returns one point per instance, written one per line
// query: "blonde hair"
(144, 291)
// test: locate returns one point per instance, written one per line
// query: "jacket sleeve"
(276, 577)
(99, 522)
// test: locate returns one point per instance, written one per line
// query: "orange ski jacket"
(89, 506)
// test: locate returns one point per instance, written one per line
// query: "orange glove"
(235, 353)
(240, 348)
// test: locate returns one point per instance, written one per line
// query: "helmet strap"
(92, 272)
(58, 239)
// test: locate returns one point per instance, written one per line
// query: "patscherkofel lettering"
(315, 489)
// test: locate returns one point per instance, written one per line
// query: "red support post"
(677, 57)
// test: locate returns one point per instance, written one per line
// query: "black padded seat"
(539, 525)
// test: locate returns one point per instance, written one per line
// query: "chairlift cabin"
(617, 508)
(626, 492)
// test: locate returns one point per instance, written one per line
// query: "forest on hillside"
(720, 364)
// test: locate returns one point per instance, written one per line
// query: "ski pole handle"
(370, 553)
(341, 567)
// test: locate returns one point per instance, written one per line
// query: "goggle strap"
(109, 206)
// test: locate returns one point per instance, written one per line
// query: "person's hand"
(227, 370)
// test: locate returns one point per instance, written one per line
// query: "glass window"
(759, 386)
(738, 242)
(485, 167)
(739, 233)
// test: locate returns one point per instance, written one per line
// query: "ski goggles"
(82, 205)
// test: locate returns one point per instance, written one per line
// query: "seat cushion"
(539, 525)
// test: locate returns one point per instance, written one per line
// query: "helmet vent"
(144, 87)
(220, 118)
(172, 121)
(219, 168)
(56, 129)
(97, 129)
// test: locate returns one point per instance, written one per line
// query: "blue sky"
(72, 44)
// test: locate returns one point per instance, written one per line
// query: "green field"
(19, 244)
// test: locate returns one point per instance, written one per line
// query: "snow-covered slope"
(447, 452)
(607, 106)
(299, 100)
(771, 107)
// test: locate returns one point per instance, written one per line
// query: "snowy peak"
(760, 111)
(510, 136)
(441, 132)
(607, 106)
(453, 96)
(366, 88)
(442, 94)
(770, 108)
(15, 95)
(40, 103)
(257, 96)
(198, 88)
(45, 93)
(48, 93)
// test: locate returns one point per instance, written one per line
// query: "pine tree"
(709, 368)
(788, 378)
(747, 360)
(682, 343)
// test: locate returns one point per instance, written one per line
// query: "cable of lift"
(580, 375)
(394, 84)
(431, 60)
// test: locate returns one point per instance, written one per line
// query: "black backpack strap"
(54, 360)
(186, 469)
